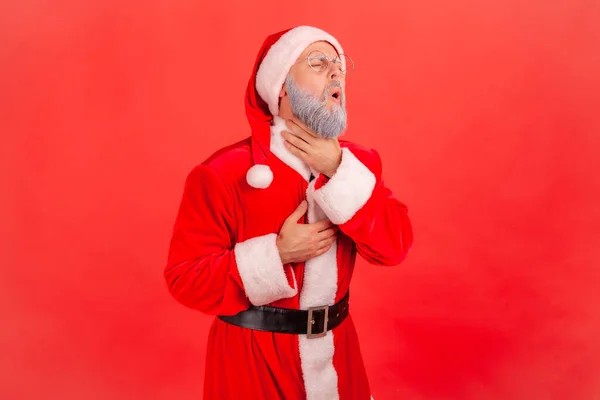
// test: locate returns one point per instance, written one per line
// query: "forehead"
(324, 47)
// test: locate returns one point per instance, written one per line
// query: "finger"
(291, 127)
(296, 151)
(326, 242)
(301, 127)
(324, 249)
(299, 211)
(322, 225)
(301, 131)
(296, 141)
(327, 233)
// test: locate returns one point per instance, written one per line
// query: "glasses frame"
(329, 60)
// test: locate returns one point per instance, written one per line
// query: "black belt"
(314, 322)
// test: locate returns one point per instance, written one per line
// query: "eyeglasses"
(319, 62)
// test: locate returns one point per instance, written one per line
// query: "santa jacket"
(223, 259)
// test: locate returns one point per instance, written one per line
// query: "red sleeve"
(356, 199)
(206, 270)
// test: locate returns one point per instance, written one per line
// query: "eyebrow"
(336, 57)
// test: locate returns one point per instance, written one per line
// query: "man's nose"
(335, 71)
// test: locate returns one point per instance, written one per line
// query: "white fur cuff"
(261, 270)
(348, 189)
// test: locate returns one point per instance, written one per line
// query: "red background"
(486, 115)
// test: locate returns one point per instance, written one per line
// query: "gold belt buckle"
(311, 322)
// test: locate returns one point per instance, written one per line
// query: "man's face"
(316, 94)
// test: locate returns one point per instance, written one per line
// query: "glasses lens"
(318, 61)
(349, 65)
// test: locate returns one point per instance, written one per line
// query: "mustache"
(333, 85)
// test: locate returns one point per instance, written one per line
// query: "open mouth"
(336, 95)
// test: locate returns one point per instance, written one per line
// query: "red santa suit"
(223, 257)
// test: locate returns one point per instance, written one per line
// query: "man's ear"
(283, 92)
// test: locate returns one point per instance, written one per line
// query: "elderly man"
(268, 229)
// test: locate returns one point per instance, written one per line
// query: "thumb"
(299, 211)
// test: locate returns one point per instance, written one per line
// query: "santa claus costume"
(223, 257)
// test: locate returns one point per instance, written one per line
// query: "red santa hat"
(275, 58)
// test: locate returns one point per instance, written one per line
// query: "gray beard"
(313, 112)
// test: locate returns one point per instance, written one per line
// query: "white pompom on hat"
(259, 176)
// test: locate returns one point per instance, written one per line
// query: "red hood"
(257, 111)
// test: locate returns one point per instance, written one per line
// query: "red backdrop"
(486, 114)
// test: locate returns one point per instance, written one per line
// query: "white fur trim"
(320, 273)
(281, 56)
(319, 288)
(320, 376)
(278, 148)
(259, 176)
(261, 270)
(348, 189)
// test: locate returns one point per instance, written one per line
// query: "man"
(268, 230)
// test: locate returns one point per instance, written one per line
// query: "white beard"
(314, 113)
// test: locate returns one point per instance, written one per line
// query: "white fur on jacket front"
(339, 199)
(263, 274)
(319, 288)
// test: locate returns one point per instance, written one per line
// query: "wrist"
(329, 174)
(332, 171)
(282, 256)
